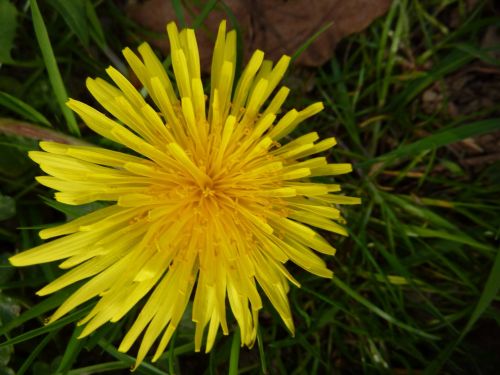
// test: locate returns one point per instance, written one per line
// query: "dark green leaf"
(8, 25)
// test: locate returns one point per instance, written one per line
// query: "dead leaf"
(24, 129)
(275, 26)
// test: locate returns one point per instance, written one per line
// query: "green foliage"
(52, 68)
(22, 109)
(8, 25)
(75, 16)
(416, 283)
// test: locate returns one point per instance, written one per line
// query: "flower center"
(207, 191)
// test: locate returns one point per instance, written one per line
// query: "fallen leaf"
(275, 26)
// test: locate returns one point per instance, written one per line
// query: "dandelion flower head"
(208, 207)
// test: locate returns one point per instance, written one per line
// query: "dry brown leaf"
(24, 129)
(275, 26)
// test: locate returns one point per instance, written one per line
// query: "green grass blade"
(235, 353)
(490, 291)
(73, 348)
(419, 211)
(37, 311)
(262, 352)
(414, 231)
(98, 369)
(143, 368)
(34, 353)
(342, 103)
(207, 8)
(310, 41)
(95, 28)
(455, 59)
(376, 310)
(483, 54)
(441, 138)
(75, 17)
(171, 354)
(55, 326)
(179, 13)
(52, 68)
(22, 109)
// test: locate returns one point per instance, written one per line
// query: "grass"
(416, 286)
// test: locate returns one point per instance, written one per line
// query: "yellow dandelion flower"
(212, 207)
